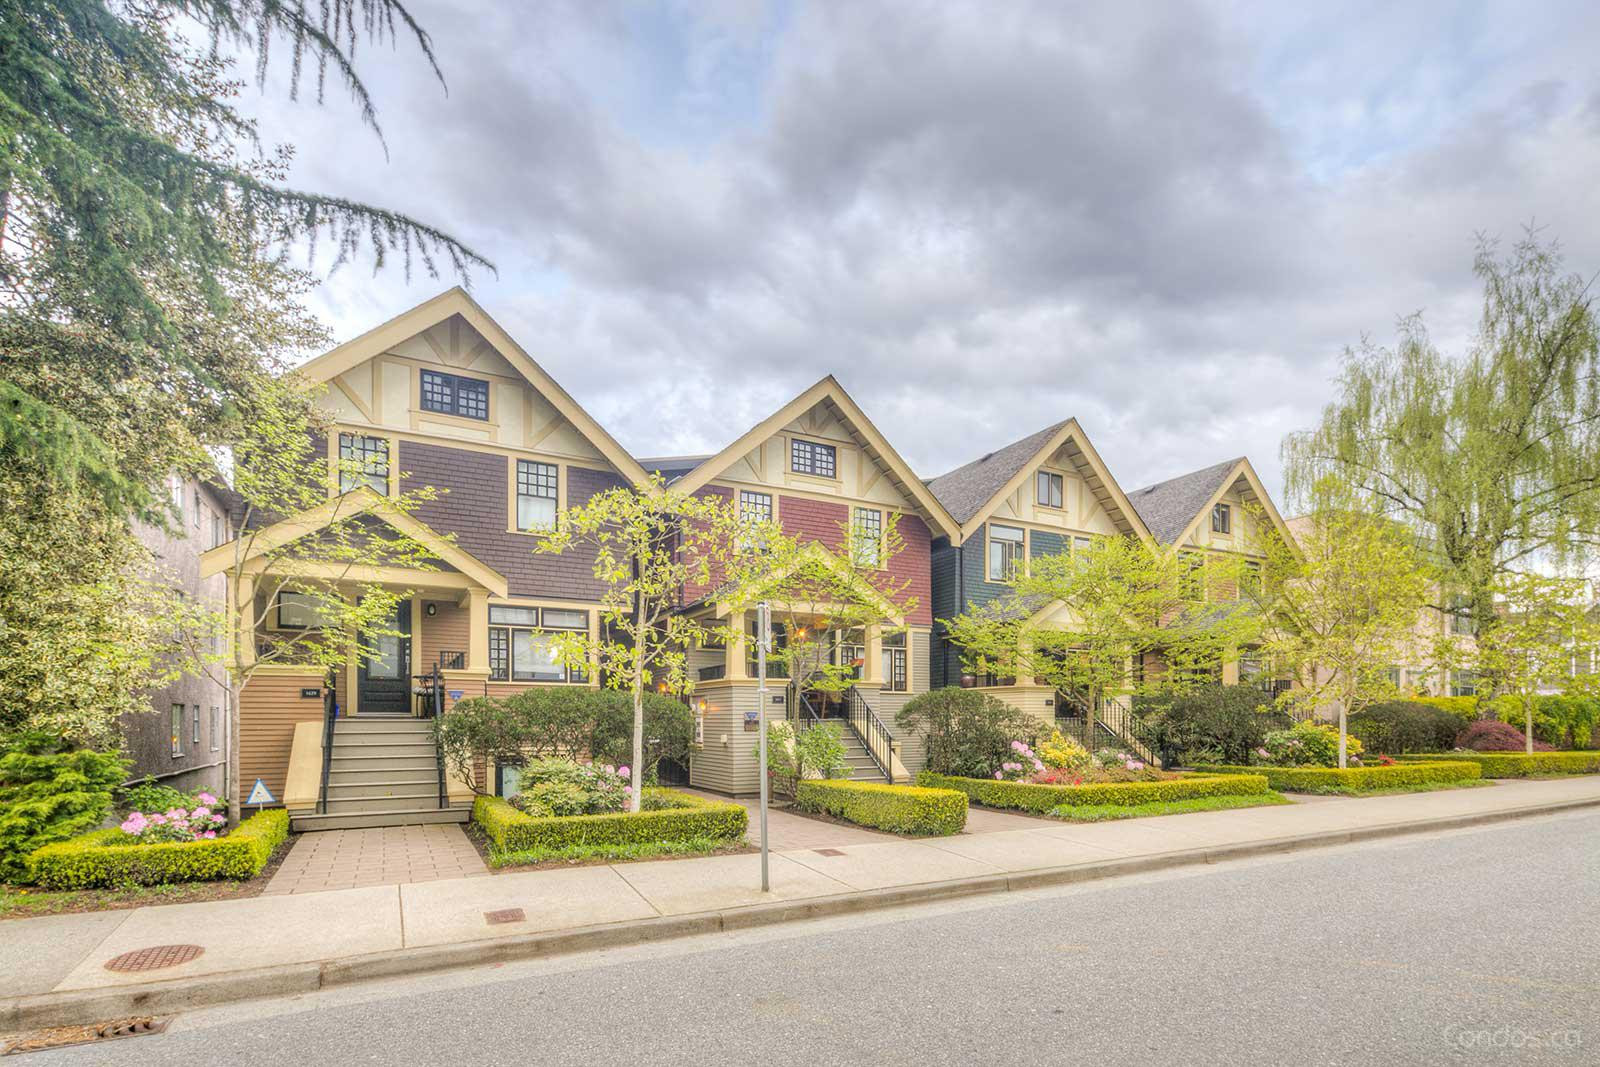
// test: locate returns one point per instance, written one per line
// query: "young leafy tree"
(1542, 619)
(1491, 457)
(1339, 603)
(1079, 623)
(651, 544)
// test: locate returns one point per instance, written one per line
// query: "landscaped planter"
(1360, 779)
(669, 816)
(1029, 796)
(101, 859)
(1519, 764)
(900, 809)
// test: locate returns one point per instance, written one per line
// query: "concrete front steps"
(862, 768)
(384, 771)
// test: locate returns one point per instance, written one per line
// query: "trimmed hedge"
(1520, 764)
(668, 816)
(1359, 779)
(1028, 796)
(100, 860)
(900, 809)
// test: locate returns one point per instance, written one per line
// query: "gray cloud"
(1164, 219)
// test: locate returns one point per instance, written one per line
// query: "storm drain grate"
(828, 851)
(62, 1036)
(504, 915)
(153, 958)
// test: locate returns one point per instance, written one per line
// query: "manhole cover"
(63, 1036)
(828, 851)
(504, 915)
(153, 958)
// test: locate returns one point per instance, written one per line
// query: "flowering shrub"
(199, 823)
(1092, 775)
(567, 787)
(1307, 744)
(1488, 735)
(1063, 753)
(1021, 765)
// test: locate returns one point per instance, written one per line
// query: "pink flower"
(1135, 765)
(200, 813)
(205, 798)
(622, 772)
(209, 834)
(134, 823)
(158, 819)
(997, 774)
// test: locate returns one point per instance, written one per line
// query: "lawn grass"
(1106, 812)
(579, 855)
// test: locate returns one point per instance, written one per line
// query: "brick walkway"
(387, 855)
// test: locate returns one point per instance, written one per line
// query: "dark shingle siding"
(1044, 543)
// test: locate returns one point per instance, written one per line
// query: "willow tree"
(1492, 455)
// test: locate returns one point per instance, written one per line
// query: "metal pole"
(763, 635)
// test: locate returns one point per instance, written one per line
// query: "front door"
(383, 680)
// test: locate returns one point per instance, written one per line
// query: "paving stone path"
(387, 855)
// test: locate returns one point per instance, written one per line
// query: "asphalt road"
(1470, 947)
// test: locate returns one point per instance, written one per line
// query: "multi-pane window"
(1461, 621)
(177, 730)
(1463, 684)
(219, 529)
(216, 727)
(1222, 519)
(522, 643)
(537, 489)
(868, 531)
(1005, 552)
(754, 507)
(776, 668)
(452, 394)
(1190, 578)
(363, 460)
(852, 651)
(1048, 490)
(813, 457)
(894, 662)
(298, 611)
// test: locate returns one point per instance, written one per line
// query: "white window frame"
(1017, 554)
(537, 474)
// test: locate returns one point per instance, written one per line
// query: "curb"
(80, 1007)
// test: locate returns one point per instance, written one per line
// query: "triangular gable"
(360, 501)
(330, 366)
(855, 421)
(869, 594)
(1082, 453)
(1241, 470)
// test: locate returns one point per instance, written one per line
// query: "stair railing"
(875, 737)
(802, 713)
(330, 712)
(438, 749)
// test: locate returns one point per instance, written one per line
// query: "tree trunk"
(1527, 705)
(1344, 746)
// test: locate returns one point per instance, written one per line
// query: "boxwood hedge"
(101, 859)
(900, 809)
(668, 816)
(1359, 779)
(1520, 764)
(1028, 796)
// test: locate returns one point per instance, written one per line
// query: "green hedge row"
(1028, 796)
(1358, 779)
(900, 809)
(668, 816)
(1519, 764)
(100, 859)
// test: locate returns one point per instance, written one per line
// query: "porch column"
(243, 630)
(417, 666)
(478, 630)
(1230, 671)
(872, 664)
(735, 653)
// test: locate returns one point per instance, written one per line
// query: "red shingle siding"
(693, 591)
(475, 510)
(912, 567)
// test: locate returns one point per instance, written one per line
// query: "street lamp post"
(763, 639)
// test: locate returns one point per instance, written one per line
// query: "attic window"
(1222, 519)
(814, 458)
(1049, 490)
(451, 394)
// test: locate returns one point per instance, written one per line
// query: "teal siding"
(1044, 543)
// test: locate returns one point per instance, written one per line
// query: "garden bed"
(100, 860)
(672, 823)
(1354, 781)
(1042, 799)
(1518, 764)
(916, 810)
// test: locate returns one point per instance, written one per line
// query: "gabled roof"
(829, 391)
(455, 301)
(362, 500)
(1174, 508)
(727, 598)
(972, 492)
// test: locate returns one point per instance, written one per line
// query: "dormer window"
(814, 458)
(451, 394)
(1222, 519)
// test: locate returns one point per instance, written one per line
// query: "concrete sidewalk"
(52, 970)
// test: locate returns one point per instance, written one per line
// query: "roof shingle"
(1168, 507)
(965, 490)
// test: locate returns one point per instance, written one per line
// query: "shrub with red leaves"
(1490, 735)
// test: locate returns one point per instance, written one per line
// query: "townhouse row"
(443, 396)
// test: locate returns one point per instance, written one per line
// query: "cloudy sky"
(1166, 219)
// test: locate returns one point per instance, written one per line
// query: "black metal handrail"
(875, 737)
(802, 714)
(438, 749)
(330, 711)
